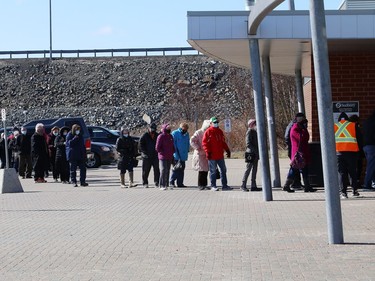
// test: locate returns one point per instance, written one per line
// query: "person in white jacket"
(199, 161)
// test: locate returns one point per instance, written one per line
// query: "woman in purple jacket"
(165, 148)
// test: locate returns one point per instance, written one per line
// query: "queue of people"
(61, 151)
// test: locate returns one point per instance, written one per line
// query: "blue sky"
(94, 24)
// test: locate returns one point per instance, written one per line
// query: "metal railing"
(100, 52)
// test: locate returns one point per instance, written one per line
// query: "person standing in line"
(299, 136)
(39, 152)
(369, 149)
(61, 163)
(14, 148)
(199, 161)
(214, 145)
(297, 176)
(149, 155)
(253, 152)
(165, 148)
(181, 147)
(361, 155)
(76, 155)
(347, 149)
(25, 163)
(52, 150)
(125, 147)
(2, 151)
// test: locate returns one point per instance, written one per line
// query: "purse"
(178, 166)
(249, 157)
(298, 161)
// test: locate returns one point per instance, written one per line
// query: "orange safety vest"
(345, 136)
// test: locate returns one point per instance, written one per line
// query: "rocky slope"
(116, 91)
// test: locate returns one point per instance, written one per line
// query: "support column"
(324, 100)
(267, 78)
(291, 5)
(260, 119)
(299, 89)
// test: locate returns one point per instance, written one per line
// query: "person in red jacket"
(214, 145)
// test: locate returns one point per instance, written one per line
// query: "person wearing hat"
(39, 152)
(348, 141)
(125, 147)
(253, 153)
(149, 155)
(214, 145)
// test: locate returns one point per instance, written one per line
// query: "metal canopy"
(283, 35)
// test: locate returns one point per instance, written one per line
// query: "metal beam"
(260, 119)
(325, 113)
(259, 11)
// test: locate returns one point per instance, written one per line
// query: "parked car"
(104, 135)
(102, 154)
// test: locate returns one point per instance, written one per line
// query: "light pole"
(50, 30)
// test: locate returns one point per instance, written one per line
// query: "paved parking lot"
(102, 232)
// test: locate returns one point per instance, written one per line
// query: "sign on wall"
(349, 107)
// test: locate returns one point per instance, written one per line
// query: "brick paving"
(102, 232)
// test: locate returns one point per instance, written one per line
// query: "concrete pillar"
(299, 90)
(325, 113)
(260, 119)
(275, 166)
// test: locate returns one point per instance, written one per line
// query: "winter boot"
(243, 187)
(122, 180)
(254, 186)
(307, 187)
(131, 180)
(286, 186)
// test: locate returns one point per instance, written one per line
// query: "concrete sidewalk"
(101, 232)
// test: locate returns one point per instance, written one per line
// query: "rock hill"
(114, 91)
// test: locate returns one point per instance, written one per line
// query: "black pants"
(147, 163)
(347, 165)
(62, 169)
(202, 178)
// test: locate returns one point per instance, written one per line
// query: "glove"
(144, 155)
(228, 153)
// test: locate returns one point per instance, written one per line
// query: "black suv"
(61, 122)
(104, 135)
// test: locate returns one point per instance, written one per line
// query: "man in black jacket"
(149, 155)
(24, 145)
(369, 149)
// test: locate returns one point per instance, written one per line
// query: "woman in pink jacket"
(165, 148)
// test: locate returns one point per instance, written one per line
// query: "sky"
(94, 24)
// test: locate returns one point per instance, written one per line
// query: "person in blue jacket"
(181, 142)
(76, 155)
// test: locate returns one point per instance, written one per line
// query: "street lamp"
(50, 30)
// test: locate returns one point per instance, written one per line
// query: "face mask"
(153, 130)
(77, 132)
(23, 132)
(183, 132)
(55, 134)
(168, 131)
(125, 135)
(216, 125)
(65, 133)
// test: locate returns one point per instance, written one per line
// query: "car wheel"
(93, 162)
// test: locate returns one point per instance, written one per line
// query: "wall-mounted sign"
(349, 107)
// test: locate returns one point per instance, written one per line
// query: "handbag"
(298, 161)
(249, 157)
(178, 166)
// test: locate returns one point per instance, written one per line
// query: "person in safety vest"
(347, 147)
